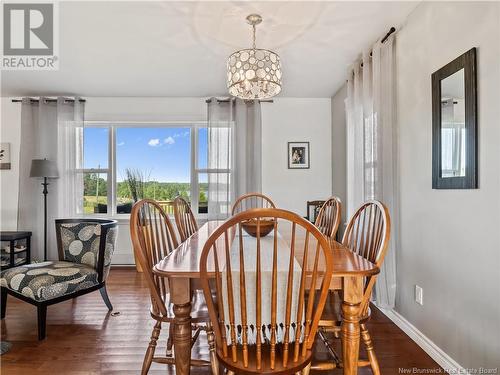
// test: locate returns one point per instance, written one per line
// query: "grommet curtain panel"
(234, 153)
(372, 147)
(52, 130)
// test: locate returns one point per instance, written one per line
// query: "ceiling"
(180, 48)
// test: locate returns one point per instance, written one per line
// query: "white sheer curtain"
(70, 156)
(234, 153)
(53, 130)
(372, 147)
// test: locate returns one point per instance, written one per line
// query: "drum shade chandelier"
(254, 73)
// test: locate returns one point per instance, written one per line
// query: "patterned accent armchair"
(85, 248)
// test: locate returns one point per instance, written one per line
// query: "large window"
(126, 162)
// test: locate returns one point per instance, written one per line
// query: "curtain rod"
(391, 30)
(227, 101)
(32, 100)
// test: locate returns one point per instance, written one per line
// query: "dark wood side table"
(15, 238)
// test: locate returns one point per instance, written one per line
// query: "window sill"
(125, 218)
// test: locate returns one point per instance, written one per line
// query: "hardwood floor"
(83, 339)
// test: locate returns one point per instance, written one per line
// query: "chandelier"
(254, 73)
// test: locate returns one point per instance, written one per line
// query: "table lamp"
(46, 169)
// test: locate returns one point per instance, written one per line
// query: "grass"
(90, 201)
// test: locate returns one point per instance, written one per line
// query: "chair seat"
(199, 309)
(47, 280)
(239, 368)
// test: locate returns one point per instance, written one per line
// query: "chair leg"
(214, 363)
(4, 301)
(150, 352)
(170, 340)
(105, 297)
(306, 369)
(42, 320)
(365, 335)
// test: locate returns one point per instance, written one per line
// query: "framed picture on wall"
(298, 155)
(4, 155)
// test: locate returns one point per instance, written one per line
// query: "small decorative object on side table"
(18, 250)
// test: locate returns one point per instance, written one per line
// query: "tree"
(90, 183)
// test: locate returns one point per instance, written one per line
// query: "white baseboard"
(435, 352)
(123, 259)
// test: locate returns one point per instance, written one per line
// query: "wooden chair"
(153, 237)
(293, 355)
(85, 248)
(367, 234)
(184, 219)
(329, 216)
(251, 200)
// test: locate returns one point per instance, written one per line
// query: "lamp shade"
(254, 74)
(43, 168)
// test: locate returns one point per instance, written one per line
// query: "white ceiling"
(180, 48)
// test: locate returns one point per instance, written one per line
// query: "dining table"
(182, 268)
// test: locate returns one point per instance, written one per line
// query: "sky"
(162, 153)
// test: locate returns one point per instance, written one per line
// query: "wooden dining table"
(182, 268)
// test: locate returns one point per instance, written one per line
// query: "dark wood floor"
(82, 338)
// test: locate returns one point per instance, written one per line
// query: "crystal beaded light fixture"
(254, 73)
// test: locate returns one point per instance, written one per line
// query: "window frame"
(112, 126)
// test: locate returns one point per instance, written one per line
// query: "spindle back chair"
(251, 200)
(153, 238)
(294, 353)
(329, 217)
(367, 234)
(184, 219)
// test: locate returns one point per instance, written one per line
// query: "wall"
(9, 179)
(450, 239)
(296, 119)
(339, 150)
(145, 109)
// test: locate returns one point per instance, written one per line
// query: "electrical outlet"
(419, 295)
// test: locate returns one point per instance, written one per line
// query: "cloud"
(120, 144)
(184, 134)
(154, 142)
(169, 141)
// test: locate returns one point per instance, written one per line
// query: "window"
(95, 172)
(124, 162)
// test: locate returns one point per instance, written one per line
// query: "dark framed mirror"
(454, 124)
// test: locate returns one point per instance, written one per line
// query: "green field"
(90, 201)
(96, 187)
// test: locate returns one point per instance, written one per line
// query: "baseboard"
(435, 352)
(125, 259)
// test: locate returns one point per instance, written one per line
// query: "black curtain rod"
(391, 30)
(48, 100)
(227, 101)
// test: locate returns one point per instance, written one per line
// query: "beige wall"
(450, 239)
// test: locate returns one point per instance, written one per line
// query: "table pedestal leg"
(181, 297)
(351, 310)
